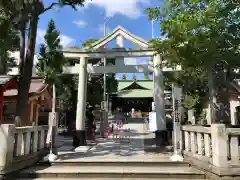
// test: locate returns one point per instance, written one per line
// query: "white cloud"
(65, 40)
(128, 8)
(80, 23)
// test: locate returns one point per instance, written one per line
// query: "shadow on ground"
(118, 149)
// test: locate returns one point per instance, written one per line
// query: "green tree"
(200, 35)
(89, 42)
(134, 78)
(146, 75)
(26, 14)
(51, 58)
(124, 77)
(50, 65)
(9, 42)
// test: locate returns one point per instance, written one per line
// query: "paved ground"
(115, 159)
(141, 143)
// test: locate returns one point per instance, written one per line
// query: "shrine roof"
(119, 30)
(103, 50)
(135, 93)
(145, 84)
(135, 89)
(37, 86)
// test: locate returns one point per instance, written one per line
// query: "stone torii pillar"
(80, 135)
(159, 100)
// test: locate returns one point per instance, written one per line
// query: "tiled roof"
(36, 86)
(147, 84)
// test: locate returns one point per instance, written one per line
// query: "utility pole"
(152, 29)
(153, 71)
(105, 77)
(105, 63)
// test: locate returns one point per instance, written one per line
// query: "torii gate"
(97, 50)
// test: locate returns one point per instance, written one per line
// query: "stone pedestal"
(6, 148)
(219, 145)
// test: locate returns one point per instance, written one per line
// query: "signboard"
(152, 122)
(177, 114)
(177, 104)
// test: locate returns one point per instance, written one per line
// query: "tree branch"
(50, 7)
(58, 4)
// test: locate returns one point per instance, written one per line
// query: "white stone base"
(176, 157)
(52, 157)
(82, 149)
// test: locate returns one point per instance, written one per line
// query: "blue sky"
(87, 22)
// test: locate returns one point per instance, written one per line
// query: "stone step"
(120, 162)
(113, 172)
(103, 179)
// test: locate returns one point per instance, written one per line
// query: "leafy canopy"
(198, 34)
(51, 58)
(198, 31)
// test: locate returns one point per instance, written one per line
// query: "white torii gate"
(97, 50)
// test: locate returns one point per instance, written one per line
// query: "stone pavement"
(140, 141)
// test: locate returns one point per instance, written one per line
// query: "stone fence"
(21, 146)
(215, 145)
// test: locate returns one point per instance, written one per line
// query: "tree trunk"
(22, 47)
(1, 63)
(25, 78)
(212, 93)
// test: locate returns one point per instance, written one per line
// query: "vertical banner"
(177, 114)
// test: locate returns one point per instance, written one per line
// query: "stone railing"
(216, 144)
(21, 146)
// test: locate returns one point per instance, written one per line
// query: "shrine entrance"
(99, 50)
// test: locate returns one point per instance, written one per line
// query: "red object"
(102, 130)
(1, 102)
(9, 85)
(121, 125)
